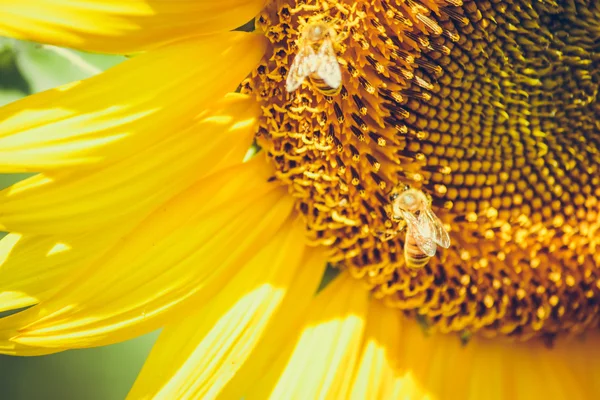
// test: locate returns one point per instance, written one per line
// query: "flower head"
(143, 214)
(463, 103)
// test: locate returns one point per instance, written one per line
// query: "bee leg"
(386, 235)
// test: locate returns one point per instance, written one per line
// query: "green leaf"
(45, 67)
(7, 180)
(10, 95)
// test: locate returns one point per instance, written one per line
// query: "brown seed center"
(488, 107)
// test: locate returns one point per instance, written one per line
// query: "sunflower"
(143, 213)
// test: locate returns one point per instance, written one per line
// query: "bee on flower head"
(424, 230)
(316, 59)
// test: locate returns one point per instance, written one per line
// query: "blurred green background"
(104, 373)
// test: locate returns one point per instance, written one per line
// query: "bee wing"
(424, 242)
(431, 226)
(303, 65)
(329, 68)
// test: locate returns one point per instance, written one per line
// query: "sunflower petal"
(577, 362)
(34, 267)
(120, 26)
(76, 201)
(322, 359)
(180, 254)
(196, 357)
(379, 375)
(440, 366)
(127, 108)
(284, 326)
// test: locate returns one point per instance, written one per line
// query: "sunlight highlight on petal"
(183, 252)
(323, 358)
(117, 113)
(120, 26)
(196, 358)
(284, 327)
(35, 267)
(71, 201)
(379, 375)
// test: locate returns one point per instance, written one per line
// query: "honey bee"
(320, 66)
(424, 230)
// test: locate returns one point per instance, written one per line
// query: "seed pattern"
(491, 108)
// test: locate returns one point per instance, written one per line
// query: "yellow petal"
(182, 253)
(71, 201)
(323, 357)
(196, 357)
(34, 267)
(108, 26)
(440, 367)
(399, 360)
(379, 375)
(283, 329)
(129, 107)
(578, 360)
